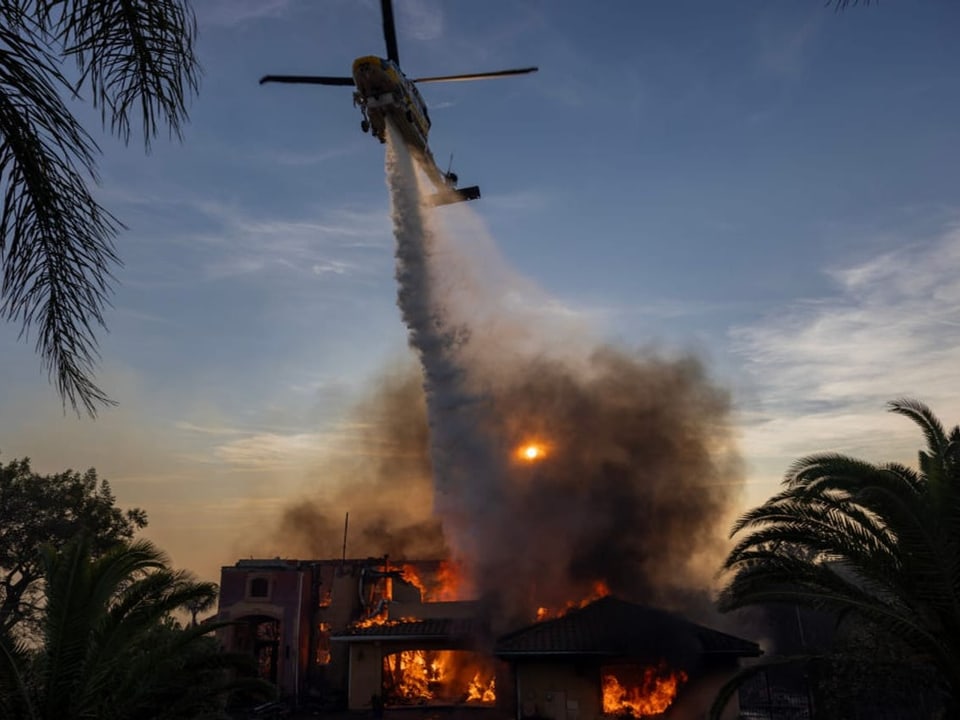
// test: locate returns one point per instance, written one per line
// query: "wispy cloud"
(336, 267)
(234, 12)
(306, 159)
(338, 242)
(216, 430)
(273, 451)
(284, 451)
(824, 368)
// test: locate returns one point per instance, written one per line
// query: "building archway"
(260, 636)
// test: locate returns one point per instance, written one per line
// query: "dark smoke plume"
(638, 467)
(381, 475)
(633, 490)
(637, 470)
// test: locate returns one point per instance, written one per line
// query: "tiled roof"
(614, 627)
(432, 629)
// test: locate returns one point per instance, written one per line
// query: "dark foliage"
(110, 649)
(37, 510)
(877, 546)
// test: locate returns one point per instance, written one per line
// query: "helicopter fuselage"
(384, 93)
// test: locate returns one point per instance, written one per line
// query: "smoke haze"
(381, 476)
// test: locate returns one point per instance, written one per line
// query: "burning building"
(354, 633)
(296, 618)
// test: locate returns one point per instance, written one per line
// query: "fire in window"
(635, 691)
(323, 644)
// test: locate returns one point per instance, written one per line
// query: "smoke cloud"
(637, 474)
(634, 470)
(381, 474)
(635, 467)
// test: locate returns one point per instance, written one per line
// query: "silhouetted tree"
(50, 509)
(878, 546)
(110, 649)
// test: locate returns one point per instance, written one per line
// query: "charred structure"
(361, 632)
(289, 614)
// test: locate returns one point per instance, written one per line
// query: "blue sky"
(775, 186)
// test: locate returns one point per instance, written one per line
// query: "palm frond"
(879, 543)
(16, 702)
(69, 619)
(925, 419)
(56, 242)
(136, 56)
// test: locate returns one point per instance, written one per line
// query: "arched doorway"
(260, 636)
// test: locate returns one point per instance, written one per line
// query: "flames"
(600, 589)
(379, 618)
(480, 691)
(643, 692)
(446, 584)
(413, 677)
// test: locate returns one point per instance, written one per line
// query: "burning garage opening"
(434, 661)
(614, 658)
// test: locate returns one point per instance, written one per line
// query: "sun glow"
(531, 452)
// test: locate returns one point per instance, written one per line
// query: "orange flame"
(480, 692)
(381, 618)
(449, 581)
(652, 692)
(418, 676)
(600, 590)
(412, 576)
(446, 584)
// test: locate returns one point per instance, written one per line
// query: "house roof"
(430, 629)
(614, 627)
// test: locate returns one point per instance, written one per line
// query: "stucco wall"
(366, 674)
(697, 696)
(560, 691)
(287, 600)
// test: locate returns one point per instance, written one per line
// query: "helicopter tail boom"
(454, 195)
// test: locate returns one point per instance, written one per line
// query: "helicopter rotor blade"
(307, 79)
(475, 76)
(389, 30)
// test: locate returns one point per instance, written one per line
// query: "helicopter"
(383, 93)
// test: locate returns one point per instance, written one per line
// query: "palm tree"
(109, 648)
(876, 545)
(134, 58)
